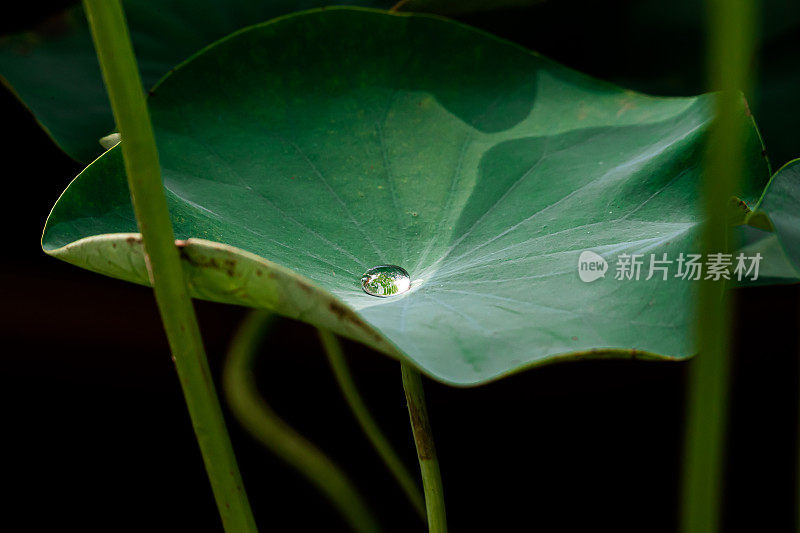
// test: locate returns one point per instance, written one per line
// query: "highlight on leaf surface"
(300, 153)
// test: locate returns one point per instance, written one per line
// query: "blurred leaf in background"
(54, 71)
(461, 7)
(780, 203)
(647, 45)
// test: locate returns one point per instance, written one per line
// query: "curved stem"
(426, 451)
(341, 371)
(121, 75)
(266, 426)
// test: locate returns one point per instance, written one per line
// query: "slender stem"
(341, 371)
(731, 41)
(266, 426)
(110, 33)
(426, 450)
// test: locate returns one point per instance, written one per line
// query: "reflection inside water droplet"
(385, 281)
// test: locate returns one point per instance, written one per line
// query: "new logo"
(591, 266)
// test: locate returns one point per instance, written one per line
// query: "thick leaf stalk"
(426, 450)
(268, 428)
(730, 54)
(121, 75)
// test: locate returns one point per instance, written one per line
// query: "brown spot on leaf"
(228, 266)
(303, 287)
(345, 315)
(339, 310)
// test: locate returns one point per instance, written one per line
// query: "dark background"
(95, 435)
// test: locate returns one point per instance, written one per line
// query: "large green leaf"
(781, 204)
(301, 152)
(772, 229)
(775, 268)
(54, 70)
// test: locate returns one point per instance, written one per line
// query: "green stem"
(266, 426)
(117, 61)
(426, 450)
(731, 45)
(341, 371)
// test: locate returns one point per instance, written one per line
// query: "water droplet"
(385, 281)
